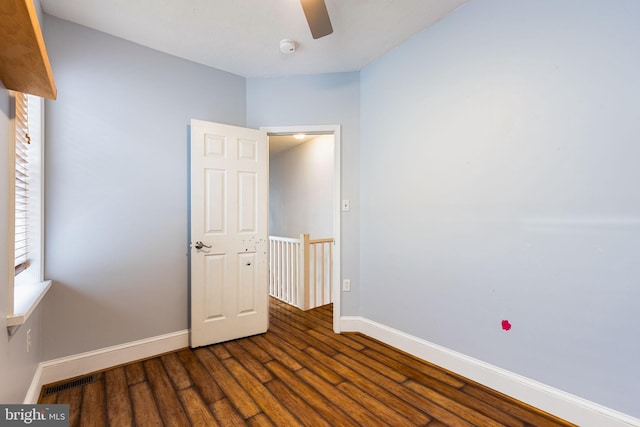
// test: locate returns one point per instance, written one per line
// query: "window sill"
(25, 300)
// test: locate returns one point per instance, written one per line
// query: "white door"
(229, 238)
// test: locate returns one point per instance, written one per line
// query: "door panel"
(216, 204)
(229, 208)
(247, 283)
(214, 274)
(247, 188)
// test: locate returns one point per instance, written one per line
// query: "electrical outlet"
(346, 285)
(28, 340)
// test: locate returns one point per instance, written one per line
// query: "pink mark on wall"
(506, 325)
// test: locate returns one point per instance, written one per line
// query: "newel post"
(303, 282)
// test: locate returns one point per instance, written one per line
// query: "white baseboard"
(97, 360)
(557, 402)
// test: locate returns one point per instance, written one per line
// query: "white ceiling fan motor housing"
(287, 46)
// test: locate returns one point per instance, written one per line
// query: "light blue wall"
(116, 176)
(327, 99)
(499, 180)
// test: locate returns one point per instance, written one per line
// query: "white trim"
(97, 360)
(557, 402)
(337, 197)
(25, 300)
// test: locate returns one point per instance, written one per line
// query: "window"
(28, 189)
(21, 204)
(28, 286)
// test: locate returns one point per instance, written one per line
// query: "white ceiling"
(243, 36)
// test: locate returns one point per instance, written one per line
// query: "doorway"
(275, 136)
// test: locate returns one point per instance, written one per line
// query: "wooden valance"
(24, 63)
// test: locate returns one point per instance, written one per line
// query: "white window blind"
(22, 141)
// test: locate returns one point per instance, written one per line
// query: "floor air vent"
(78, 382)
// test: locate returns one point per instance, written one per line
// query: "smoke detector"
(287, 46)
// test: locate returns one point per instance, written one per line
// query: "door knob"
(200, 245)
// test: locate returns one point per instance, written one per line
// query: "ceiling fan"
(317, 17)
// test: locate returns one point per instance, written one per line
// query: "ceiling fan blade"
(317, 17)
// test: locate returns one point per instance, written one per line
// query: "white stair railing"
(284, 268)
(301, 270)
(319, 265)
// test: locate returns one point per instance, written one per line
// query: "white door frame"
(337, 227)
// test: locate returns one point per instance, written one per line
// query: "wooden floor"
(299, 373)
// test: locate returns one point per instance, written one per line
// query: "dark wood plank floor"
(297, 374)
